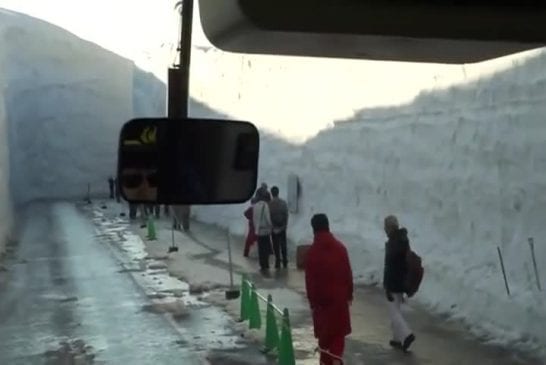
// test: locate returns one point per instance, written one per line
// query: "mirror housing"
(187, 161)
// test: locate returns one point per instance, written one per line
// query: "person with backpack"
(262, 225)
(279, 218)
(397, 250)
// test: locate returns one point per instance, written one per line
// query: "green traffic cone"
(271, 329)
(255, 318)
(286, 348)
(245, 299)
(151, 229)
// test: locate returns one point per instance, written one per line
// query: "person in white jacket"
(263, 227)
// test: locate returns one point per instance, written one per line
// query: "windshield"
(398, 219)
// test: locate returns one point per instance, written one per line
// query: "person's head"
(263, 186)
(391, 224)
(261, 195)
(275, 192)
(320, 223)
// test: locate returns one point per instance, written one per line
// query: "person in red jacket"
(329, 286)
(251, 235)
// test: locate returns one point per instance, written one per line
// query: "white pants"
(400, 328)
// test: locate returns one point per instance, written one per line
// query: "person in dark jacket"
(111, 185)
(116, 190)
(329, 286)
(396, 250)
(279, 218)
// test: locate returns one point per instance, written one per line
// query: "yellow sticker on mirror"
(148, 135)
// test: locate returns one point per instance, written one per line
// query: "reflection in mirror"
(189, 161)
(139, 184)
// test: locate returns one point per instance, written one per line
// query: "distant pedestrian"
(143, 209)
(111, 186)
(116, 190)
(394, 279)
(262, 226)
(279, 219)
(251, 235)
(133, 211)
(186, 216)
(177, 217)
(264, 192)
(181, 217)
(329, 286)
(154, 209)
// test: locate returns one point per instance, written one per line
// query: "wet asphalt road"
(75, 292)
(63, 300)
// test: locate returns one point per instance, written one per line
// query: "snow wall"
(62, 103)
(66, 100)
(5, 197)
(457, 152)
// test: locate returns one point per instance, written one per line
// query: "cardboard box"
(301, 254)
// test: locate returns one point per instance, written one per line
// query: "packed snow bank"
(463, 167)
(65, 100)
(5, 197)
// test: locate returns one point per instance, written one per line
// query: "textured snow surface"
(462, 166)
(62, 103)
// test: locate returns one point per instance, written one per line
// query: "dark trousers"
(132, 211)
(186, 214)
(264, 250)
(116, 191)
(279, 247)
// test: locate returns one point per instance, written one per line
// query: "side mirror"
(187, 161)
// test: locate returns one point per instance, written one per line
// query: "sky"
(144, 31)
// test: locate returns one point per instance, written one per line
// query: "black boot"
(407, 342)
(395, 344)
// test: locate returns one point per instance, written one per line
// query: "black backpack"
(415, 273)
